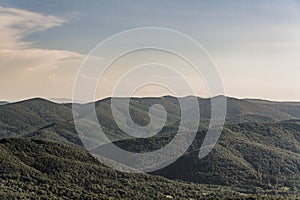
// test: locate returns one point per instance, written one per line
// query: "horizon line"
(57, 99)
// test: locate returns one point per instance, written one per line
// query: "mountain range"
(3, 102)
(258, 152)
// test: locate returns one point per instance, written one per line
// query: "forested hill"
(31, 169)
(258, 152)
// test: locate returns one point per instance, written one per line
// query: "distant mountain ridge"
(3, 102)
(43, 119)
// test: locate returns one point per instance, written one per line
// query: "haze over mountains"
(3, 102)
(258, 152)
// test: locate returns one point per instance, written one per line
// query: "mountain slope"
(30, 115)
(39, 118)
(251, 156)
(258, 152)
(40, 169)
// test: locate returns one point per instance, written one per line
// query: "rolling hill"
(40, 115)
(39, 169)
(258, 152)
(249, 156)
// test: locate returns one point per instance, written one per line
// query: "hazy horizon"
(59, 100)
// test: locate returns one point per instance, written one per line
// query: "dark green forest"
(256, 157)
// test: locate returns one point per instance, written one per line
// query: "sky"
(255, 44)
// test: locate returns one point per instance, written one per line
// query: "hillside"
(35, 168)
(258, 152)
(250, 156)
(39, 118)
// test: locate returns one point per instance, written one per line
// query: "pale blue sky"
(256, 44)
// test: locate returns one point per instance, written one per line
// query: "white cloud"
(24, 68)
(15, 24)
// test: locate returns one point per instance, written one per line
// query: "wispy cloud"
(15, 24)
(24, 67)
